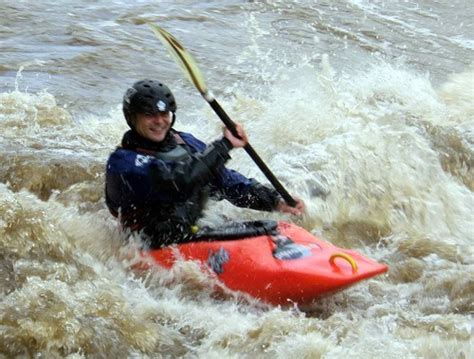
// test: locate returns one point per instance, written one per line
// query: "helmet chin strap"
(131, 120)
(173, 118)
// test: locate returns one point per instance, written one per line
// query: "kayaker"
(159, 179)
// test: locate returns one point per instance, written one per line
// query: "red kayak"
(278, 263)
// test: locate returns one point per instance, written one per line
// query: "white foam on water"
(381, 156)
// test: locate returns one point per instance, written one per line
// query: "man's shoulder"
(123, 159)
(186, 136)
(121, 153)
(191, 140)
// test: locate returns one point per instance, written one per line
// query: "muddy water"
(363, 109)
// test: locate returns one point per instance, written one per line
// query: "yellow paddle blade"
(182, 58)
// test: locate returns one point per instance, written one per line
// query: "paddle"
(192, 72)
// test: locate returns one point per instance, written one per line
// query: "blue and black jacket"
(160, 188)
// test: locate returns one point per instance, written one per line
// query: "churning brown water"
(365, 109)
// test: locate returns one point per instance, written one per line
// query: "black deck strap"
(238, 230)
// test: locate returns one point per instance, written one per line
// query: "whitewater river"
(365, 109)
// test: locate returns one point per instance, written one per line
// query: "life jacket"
(158, 191)
(163, 223)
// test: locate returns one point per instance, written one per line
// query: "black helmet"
(147, 96)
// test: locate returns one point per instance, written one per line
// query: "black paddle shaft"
(255, 157)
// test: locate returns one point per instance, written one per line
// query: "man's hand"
(298, 210)
(236, 142)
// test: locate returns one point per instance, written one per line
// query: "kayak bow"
(288, 265)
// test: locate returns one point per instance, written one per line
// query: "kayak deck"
(288, 266)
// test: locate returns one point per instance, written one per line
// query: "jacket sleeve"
(244, 192)
(236, 188)
(133, 178)
(196, 171)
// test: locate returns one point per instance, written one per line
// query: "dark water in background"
(84, 52)
(371, 103)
